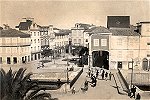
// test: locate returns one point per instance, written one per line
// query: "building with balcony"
(28, 26)
(62, 39)
(77, 33)
(14, 46)
(47, 37)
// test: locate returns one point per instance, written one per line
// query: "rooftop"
(98, 29)
(24, 25)
(63, 32)
(124, 32)
(13, 33)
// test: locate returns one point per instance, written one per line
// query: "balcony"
(15, 44)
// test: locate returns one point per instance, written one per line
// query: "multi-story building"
(120, 45)
(124, 48)
(62, 39)
(77, 33)
(14, 46)
(47, 37)
(99, 46)
(28, 26)
(144, 47)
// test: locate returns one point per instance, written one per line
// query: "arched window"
(145, 64)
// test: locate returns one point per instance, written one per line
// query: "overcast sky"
(65, 13)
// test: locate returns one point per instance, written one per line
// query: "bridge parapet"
(139, 78)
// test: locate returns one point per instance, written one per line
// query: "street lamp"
(132, 73)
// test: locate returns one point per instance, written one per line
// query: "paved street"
(103, 90)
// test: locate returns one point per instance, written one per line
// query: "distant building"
(77, 33)
(14, 46)
(28, 26)
(47, 37)
(62, 39)
(143, 28)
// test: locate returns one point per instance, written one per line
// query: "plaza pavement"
(105, 90)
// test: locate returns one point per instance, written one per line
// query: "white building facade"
(28, 26)
(14, 47)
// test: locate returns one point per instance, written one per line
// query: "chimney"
(6, 27)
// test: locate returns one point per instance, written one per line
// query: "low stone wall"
(76, 77)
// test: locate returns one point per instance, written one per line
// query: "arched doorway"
(145, 64)
(100, 59)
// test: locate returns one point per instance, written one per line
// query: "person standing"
(106, 75)
(138, 97)
(73, 90)
(110, 76)
(103, 72)
(97, 72)
(133, 91)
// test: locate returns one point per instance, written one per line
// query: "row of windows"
(75, 41)
(103, 42)
(61, 37)
(35, 41)
(14, 40)
(8, 60)
(35, 33)
(39, 33)
(14, 49)
(61, 43)
(77, 33)
(34, 48)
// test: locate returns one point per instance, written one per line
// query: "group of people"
(103, 73)
(132, 93)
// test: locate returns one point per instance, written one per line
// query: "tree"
(18, 86)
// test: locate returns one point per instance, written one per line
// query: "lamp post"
(132, 73)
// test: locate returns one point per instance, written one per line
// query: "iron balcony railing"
(15, 44)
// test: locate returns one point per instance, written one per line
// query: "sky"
(65, 13)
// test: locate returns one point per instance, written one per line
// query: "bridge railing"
(123, 81)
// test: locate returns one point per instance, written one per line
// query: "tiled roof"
(124, 32)
(98, 29)
(118, 21)
(55, 28)
(25, 25)
(85, 26)
(13, 33)
(63, 32)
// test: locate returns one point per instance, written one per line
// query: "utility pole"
(132, 73)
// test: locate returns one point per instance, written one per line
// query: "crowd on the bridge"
(103, 74)
(93, 75)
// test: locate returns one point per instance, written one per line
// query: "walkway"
(103, 90)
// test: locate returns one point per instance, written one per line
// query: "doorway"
(14, 60)
(8, 60)
(145, 64)
(100, 59)
(119, 64)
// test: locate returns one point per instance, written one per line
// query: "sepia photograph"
(74, 49)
